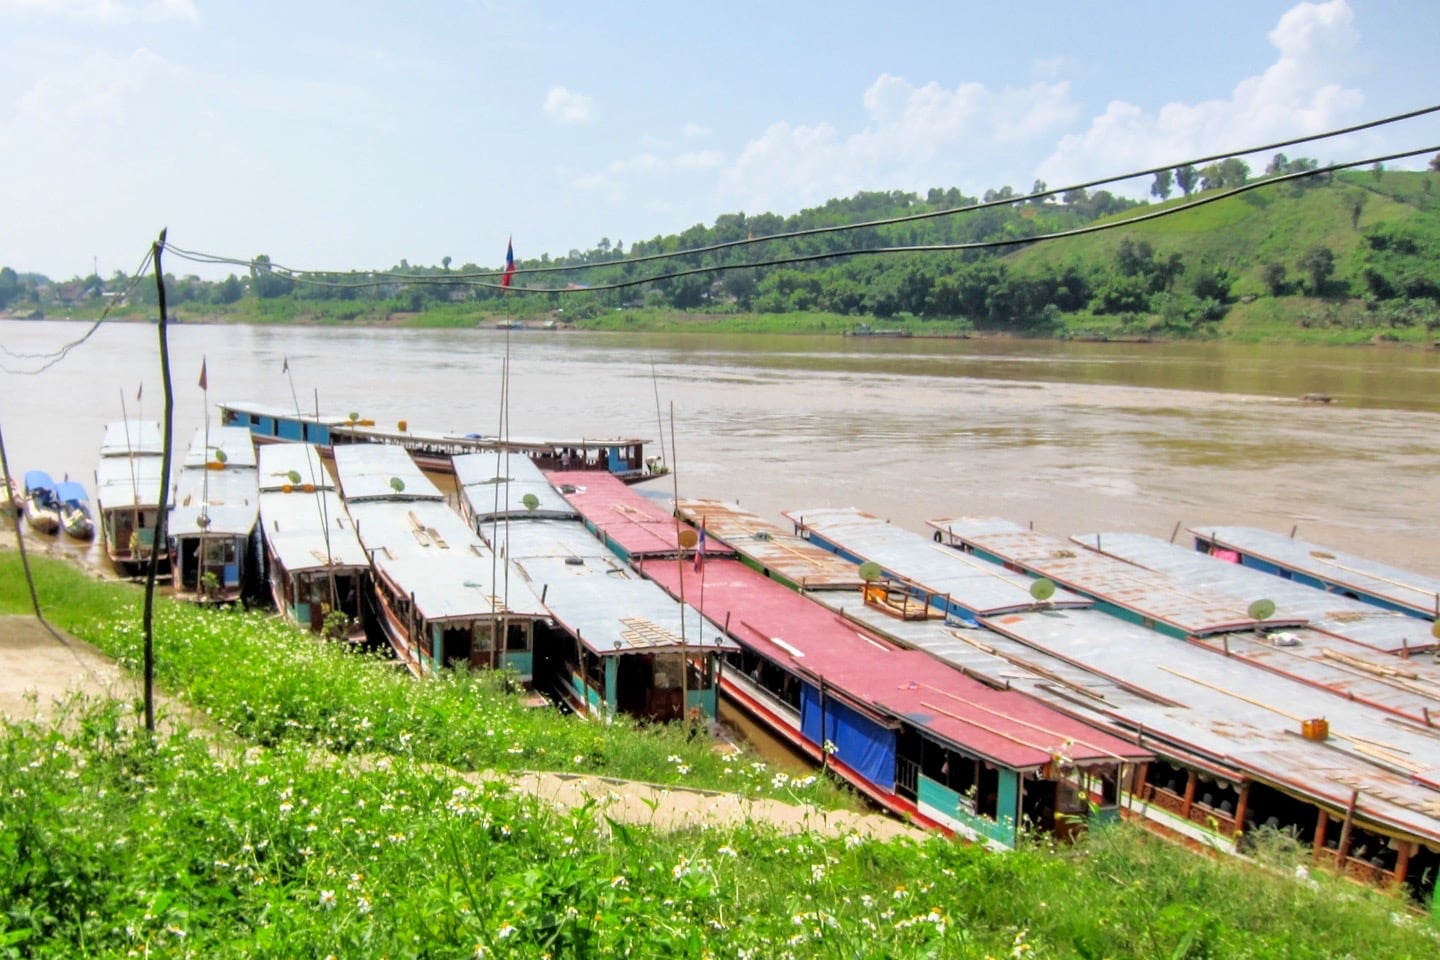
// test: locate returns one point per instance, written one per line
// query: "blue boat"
(75, 513)
(42, 502)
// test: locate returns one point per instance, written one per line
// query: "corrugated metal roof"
(791, 630)
(1414, 591)
(306, 530)
(422, 546)
(597, 598)
(293, 464)
(373, 471)
(1249, 719)
(235, 443)
(638, 525)
(122, 482)
(771, 546)
(1185, 606)
(481, 476)
(972, 586)
(1362, 623)
(219, 502)
(277, 412)
(1407, 687)
(137, 437)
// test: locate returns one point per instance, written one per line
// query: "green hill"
(1330, 257)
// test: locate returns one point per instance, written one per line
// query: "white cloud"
(567, 106)
(694, 130)
(1299, 93)
(109, 11)
(700, 160)
(917, 137)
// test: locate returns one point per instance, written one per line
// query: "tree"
(445, 263)
(1073, 198)
(229, 290)
(1319, 264)
(1356, 202)
(9, 286)
(1163, 185)
(1434, 163)
(1377, 171)
(1273, 274)
(1187, 177)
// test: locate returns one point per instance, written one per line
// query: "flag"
(204, 385)
(285, 367)
(509, 263)
(700, 548)
(140, 391)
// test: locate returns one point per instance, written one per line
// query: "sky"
(354, 135)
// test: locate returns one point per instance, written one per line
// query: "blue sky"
(334, 135)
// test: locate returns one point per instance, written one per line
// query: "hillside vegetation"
(1331, 257)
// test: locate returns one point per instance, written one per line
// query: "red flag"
(140, 392)
(203, 384)
(700, 548)
(509, 263)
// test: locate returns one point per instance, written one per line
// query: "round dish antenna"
(870, 571)
(1261, 609)
(1042, 589)
(531, 501)
(397, 484)
(688, 538)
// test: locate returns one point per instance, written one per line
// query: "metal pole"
(161, 535)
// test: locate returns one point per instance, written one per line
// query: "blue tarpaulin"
(864, 745)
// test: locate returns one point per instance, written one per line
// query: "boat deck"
(1368, 580)
(774, 550)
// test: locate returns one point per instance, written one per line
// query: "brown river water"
(1071, 437)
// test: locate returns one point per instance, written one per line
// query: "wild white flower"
(619, 883)
(327, 899)
(726, 851)
(504, 932)
(683, 769)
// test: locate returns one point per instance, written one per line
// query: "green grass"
(270, 684)
(113, 844)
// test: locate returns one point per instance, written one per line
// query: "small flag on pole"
(285, 367)
(509, 263)
(700, 548)
(140, 392)
(204, 385)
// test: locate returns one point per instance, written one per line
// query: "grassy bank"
(114, 845)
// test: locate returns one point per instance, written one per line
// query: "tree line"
(1178, 289)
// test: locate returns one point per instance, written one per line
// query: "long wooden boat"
(443, 597)
(1238, 749)
(128, 485)
(1355, 621)
(623, 457)
(42, 503)
(75, 515)
(1351, 576)
(318, 572)
(213, 548)
(921, 740)
(619, 643)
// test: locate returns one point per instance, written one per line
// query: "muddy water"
(1073, 438)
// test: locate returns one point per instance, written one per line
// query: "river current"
(1072, 438)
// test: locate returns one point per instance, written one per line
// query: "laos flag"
(509, 263)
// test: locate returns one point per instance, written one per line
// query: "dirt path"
(39, 670)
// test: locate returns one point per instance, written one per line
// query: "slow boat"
(443, 598)
(213, 549)
(617, 643)
(128, 484)
(317, 570)
(624, 457)
(42, 502)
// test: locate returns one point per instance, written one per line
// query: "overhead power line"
(372, 279)
(1155, 214)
